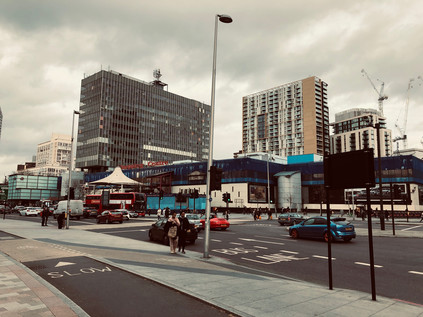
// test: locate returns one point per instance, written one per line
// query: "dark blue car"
(316, 227)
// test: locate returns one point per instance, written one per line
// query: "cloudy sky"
(47, 46)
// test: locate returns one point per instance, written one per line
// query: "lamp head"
(224, 18)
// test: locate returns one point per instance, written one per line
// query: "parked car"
(316, 227)
(215, 222)
(195, 219)
(110, 216)
(90, 212)
(30, 211)
(157, 233)
(290, 219)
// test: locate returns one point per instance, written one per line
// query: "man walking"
(185, 226)
(45, 214)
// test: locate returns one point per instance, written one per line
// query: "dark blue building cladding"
(240, 170)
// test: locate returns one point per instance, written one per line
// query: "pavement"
(241, 292)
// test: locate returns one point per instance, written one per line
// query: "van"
(76, 208)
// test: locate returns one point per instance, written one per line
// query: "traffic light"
(72, 193)
(225, 197)
(161, 194)
(180, 198)
(215, 178)
(194, 194)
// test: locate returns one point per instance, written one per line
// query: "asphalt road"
(103, 290)
(265, 246)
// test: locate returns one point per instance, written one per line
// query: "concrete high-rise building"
(55, 152)
(292, 119)
(354, 129)
(125, 122)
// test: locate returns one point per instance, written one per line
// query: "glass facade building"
(33, 188)
(125, 121)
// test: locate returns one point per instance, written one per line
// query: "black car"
(290, 219)
(90, 212)
(157, 232)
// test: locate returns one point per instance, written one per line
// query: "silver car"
(195, 220)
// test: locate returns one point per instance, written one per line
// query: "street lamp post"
(70, 169)
(225, 19)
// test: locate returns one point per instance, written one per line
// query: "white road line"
(415, 272)
(120, 231)
(367, 264)
(236, 243)
(322, 257)
(291, 252)
(258, 247)
(214, 240)
(254, 240)
(411, 228)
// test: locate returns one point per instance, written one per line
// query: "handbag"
(172, 232)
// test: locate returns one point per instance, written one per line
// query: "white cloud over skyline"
(46, 47)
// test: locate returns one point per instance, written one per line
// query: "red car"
(215, 222)
(109, 216)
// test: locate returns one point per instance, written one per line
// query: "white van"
(76, 208)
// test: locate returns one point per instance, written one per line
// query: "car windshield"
(193, 217)
(116, 212)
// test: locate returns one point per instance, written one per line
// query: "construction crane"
(402, 128)
(382, 97)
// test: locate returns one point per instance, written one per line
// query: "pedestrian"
(60, 220)
(171, 229)
(183, 229)
(159, 213)
(227, 215)
(167, 212)
(421, 216)
(269, 214)
(45, 214)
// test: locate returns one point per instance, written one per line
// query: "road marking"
(236, 243)
(291, 252)
(258, 247)
(235, 251)
(410, 228)
(64, 264)
(322, 257)
(254, 240)
(275, 258)
(283, 239)
(367, 264)
(120, 231)
(215, 240)
(415, 272)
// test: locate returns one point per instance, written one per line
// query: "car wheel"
(223, 229)
(108, 220)
(150, 235)
(326, 237)
(347, 239)
(78, 217)
(120, 221)
(294, 234)
(98, 220)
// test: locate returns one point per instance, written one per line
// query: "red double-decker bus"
(130, 201)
